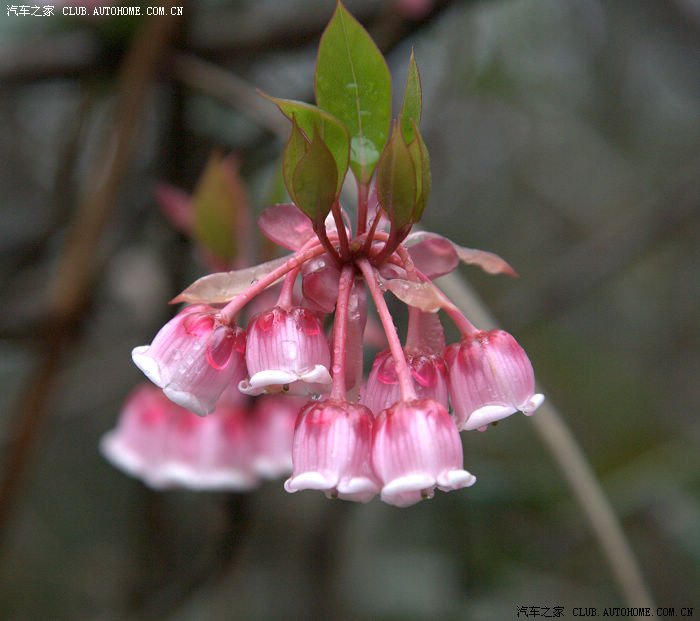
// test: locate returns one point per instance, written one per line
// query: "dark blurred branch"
(216, 82)
(76, 264)
(62, 55)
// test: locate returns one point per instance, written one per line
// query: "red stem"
(326, 243)
(286, 297)
(342, 234)
(228, 313)
(340, 332)
(408, 392)
(362, 203)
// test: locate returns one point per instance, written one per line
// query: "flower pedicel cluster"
(391, 435)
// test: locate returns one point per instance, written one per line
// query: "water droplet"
(315, 396)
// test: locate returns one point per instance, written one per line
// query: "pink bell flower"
(416, 448)
(165, 445)
(286, 351)
(490, 378)
(429, 373)
(331, 451)
(193, 358)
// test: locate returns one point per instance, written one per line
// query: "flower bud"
(193, 358)
(331, 451)
(286, 351)
(416, 448)
(429, 373)
(490, 378)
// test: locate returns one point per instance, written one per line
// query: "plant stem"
(342, 234)
(340, 332)
(228, 313)
(286, 296)
(362, 204)
(408, 392)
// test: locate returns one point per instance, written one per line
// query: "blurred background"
(564, 135)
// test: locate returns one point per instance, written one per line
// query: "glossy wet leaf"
(490, 262)
(422, 295)
(222, 287)
(315, 181)
(412, 105)
(219, 200)
(297, 146)
(421, 163)
(396, 182)
(353, 83)
(333, 132)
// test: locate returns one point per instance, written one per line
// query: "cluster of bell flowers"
(395, 434)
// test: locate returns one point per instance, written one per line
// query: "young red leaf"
(422, 295)
(222, 287)
(285, 225)
(176, 205)
(432, 243)
(353, 83)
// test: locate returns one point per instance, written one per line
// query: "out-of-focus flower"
(165, 445)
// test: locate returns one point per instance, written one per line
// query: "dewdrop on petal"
(193, 358)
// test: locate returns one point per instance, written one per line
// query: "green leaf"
(353, 84)
(219, 200)
(412, 105)
(421, 163)
(396, 181)
(333, 132)
(315, 181)
(297, 146)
